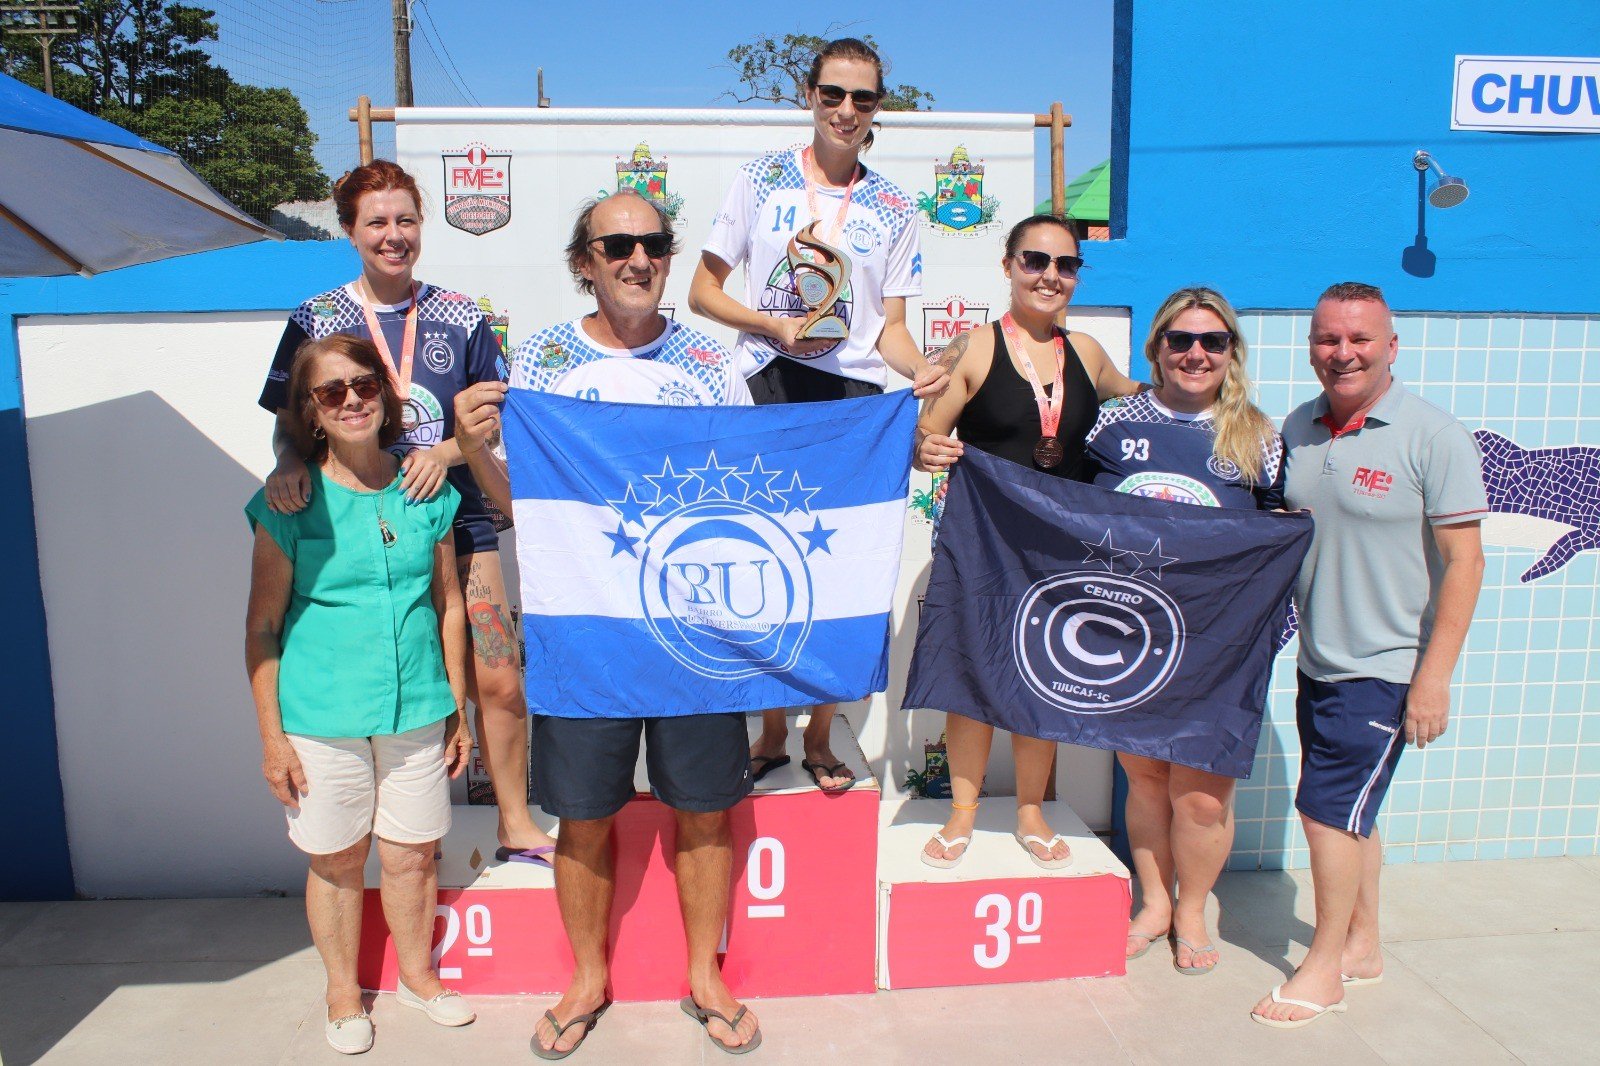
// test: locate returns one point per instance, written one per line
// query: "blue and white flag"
(1074, 613)
(685, 560)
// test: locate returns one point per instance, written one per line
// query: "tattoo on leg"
(491, 634)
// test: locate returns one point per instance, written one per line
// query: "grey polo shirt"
(1375, 489)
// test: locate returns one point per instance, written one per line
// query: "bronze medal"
(1048, 453)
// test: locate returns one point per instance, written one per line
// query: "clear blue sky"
(601, 53)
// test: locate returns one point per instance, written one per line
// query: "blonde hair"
(1244, 435)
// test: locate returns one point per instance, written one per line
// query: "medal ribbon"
(400, 375)
(809, 166)
(1049, 408)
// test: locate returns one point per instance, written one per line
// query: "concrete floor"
(1486, 962)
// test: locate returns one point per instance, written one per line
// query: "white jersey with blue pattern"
(767, 205)
(1139, 445)
(683, 367)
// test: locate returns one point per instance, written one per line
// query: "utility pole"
(402, 53)
(44, 22)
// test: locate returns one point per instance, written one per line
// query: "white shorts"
(394, 786)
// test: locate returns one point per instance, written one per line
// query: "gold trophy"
(821, 272)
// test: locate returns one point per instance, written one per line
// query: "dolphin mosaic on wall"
(1555, 484)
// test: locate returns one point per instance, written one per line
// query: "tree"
(139, 63)
(774, 69)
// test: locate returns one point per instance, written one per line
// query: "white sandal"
(947, 864)
(1317, 1010)
(350, 1035)
(1047, 845)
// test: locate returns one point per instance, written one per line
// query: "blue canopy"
(80, 195)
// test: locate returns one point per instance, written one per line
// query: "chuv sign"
(1528, 94)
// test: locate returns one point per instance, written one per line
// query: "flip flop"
(818, 771)
(768, 763)
(1194, 971)
(536, 856)
(947, 864)
(1317, 1009)
(587, 1020)
(1356, 982)
(1149, 942)
(1045, 864)
(704, 1016)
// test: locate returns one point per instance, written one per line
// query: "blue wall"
(260, 277)
(1269, 148)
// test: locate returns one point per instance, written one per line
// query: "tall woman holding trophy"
(830, 252)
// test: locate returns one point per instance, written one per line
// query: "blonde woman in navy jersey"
(1197, 439)
(1025, 390)
(434, 343)
(873, 222)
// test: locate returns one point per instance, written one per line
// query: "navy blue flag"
(687, 560)
(1073, 613)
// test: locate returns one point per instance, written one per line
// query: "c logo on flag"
(1094, 643)
(726, 590)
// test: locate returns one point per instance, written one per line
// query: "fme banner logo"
(1526, 94)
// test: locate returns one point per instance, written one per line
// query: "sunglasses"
(615, 246)
(1215, 341)
(1036, 262)
(865, 99)
(331, 394)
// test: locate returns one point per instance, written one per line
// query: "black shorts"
(786, 380)
(583, 767)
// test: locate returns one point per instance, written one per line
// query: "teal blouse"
(361, 654)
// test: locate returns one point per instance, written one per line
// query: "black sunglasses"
(1036, 262)
(616, 246)
(331, 394)
(865, 99)
(1181, 340)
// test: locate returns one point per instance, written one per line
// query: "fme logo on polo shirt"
(1371, 482)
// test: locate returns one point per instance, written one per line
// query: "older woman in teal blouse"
(356, 649)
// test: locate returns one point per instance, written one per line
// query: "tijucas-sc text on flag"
(686, 560)
(1073, 613)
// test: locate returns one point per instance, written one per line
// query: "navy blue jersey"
(455, 348)
(1137, 445)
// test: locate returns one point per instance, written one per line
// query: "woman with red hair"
(434, 343)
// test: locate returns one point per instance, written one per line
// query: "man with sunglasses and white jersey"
(1385, 597)
(626, 351)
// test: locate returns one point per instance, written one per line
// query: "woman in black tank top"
(993, 405)
(1002, 417)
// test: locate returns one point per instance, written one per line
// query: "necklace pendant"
(388, 534)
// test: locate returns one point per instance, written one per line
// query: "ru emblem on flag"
(693, 560)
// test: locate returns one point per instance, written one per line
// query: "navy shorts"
(787, 380)
(583, 767)
(1351, 736)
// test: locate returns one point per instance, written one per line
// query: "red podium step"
(802, 917)
(996, 918)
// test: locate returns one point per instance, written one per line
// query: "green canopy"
(1088, 195)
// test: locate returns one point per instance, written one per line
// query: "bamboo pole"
(363, 117)
(1058, 159)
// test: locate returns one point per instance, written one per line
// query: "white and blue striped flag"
(685, 560)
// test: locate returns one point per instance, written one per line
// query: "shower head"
(1447, 190)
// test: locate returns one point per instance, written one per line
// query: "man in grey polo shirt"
(1385, 597)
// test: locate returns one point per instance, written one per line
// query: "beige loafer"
(350, 1035)
(447, 1008)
